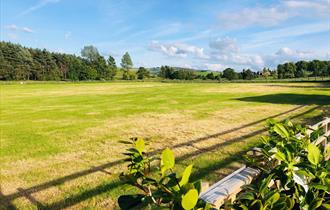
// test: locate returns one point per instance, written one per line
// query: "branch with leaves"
(162, 190)
(295, 173)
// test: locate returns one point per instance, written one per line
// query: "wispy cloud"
(37, 6)
(197, 36)
(14, 27)
(224, 45)
(28, 30)
(268, 37)
(316, 7)
(274, 14)
(167, 29)
(253, 16)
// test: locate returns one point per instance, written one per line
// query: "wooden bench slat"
(229, 186)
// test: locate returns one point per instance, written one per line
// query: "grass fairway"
(60, 142)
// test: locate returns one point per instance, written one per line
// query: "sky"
(208, 34)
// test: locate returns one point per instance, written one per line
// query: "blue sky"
(208, 34)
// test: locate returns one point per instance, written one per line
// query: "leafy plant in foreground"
(165, 190)
(295, 173)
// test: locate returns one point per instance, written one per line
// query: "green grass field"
(60, 141)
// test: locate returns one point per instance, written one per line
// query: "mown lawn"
(60, 141)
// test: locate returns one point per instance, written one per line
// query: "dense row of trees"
(168, 72)
(300, 69)
(21, 63)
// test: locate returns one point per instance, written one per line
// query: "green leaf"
(256, 204)
(280, 156)
(319, 186)
(326, 206)
(289, 202)
(127, 202)
(264, 139)
(167, 160)
(244, 207)
(289, 123)
(281, 205)
(316, 203)
(139, 145)
(272, 197)
(189, 200)
(314, 154)
(186, 175)
(271, 122)
(246, 196)
(327, 152)
(264, 184)
(281, 130)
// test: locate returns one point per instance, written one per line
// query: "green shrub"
(165, 190)
(294, 171)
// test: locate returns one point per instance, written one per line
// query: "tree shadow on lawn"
(289, 98)
(320, 86)
(199, 173)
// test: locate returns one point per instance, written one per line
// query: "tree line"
(168, 72)
(22, 63)
(315, 68)
(300, 69)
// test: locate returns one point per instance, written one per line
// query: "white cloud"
(225, 52)
(286, 54)
(214, 66)
(319, 7)
(14, 27)
(239, 59)
(28, 30)
(275, 14)
(224, 45)
(255, 61)
(285, 51)
(253, 16)
(178, 49)
(37, 6)
(185, 65)
(67, 34)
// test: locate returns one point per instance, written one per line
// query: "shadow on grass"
(319, 86)
(202, 172)
(289, 98)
